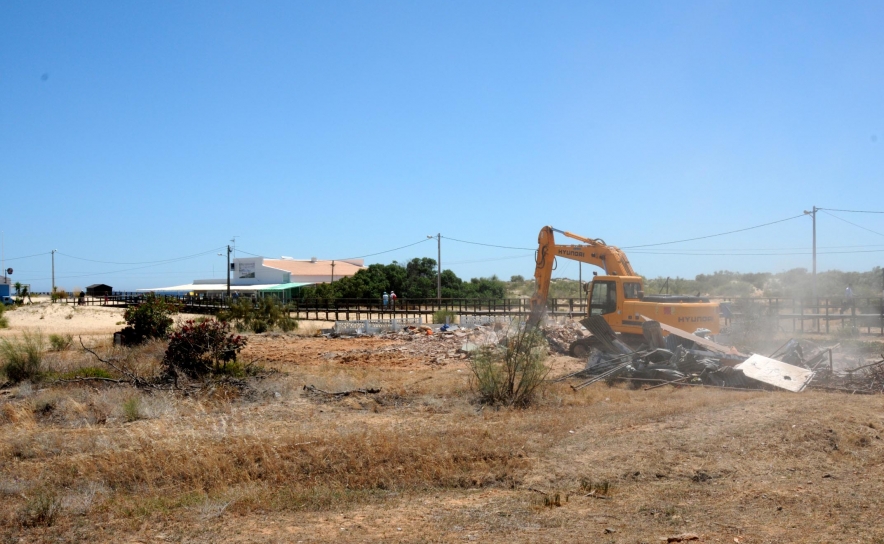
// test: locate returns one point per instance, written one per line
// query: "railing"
(824, 315)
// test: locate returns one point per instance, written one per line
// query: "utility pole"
(438, 238)
(812, 214)
(579, 279)
(234, 246)
(439, 270)
(53, 276)
(228, 274)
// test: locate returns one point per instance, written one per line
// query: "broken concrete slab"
(698, 340)
(776, 373)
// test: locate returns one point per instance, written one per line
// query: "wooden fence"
(825, 315)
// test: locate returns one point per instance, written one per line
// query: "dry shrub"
(22, 359)
(60, 342)
(510, 375)
(42, 508)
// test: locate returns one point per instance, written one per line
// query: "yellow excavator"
(618, 296)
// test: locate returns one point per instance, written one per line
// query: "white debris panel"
(776, 373)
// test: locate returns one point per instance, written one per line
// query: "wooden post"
(827, 316)
(801, 309)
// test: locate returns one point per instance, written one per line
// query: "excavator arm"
(592, 251)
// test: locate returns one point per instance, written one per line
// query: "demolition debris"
(678, 358)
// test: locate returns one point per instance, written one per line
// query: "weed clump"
(60, 342)
(511, 374)
(200, 349)
(149, 319)
(440, 316)
(22, 359)
(132, 409)
(4, 321)
(42, 508)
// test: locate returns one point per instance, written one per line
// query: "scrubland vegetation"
(330, 441)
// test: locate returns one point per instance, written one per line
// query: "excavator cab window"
(603, 299)
(631, 289)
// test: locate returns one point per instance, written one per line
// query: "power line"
(149, 265)
(848, 211)
(488, 245)
(511, 257)
(714, 235)
(144, 262)
(351, 258)
(643, 245)
(27, 256)
(763, 248)
(854, 224)
(757, 254)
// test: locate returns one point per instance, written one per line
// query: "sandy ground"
(67, 319)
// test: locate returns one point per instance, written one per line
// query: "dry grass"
(275, 462)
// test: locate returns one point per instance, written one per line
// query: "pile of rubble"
(687, 359)
(561, 335)
(446, 343)
(451, 342)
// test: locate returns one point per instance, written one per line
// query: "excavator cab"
(603, 297)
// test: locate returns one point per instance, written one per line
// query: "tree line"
(414, 279)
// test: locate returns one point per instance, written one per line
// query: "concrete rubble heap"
(684, 359)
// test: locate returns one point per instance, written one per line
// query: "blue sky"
(133, 132)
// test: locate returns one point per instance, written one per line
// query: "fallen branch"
(594, 496)
(131, 378)
(89, 379)
(313, 389)
(667, 383)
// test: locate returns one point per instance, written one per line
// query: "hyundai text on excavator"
(618, 296)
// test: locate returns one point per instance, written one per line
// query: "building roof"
(222, 287)
(316, 268)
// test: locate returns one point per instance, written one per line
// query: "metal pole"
(439, 272)
(228, 274)
(814, 252)
(53, 276)
(333, 272)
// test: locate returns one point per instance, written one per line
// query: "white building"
(283, 277)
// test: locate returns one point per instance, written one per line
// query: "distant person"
(848, 299)
(386, 298)
(392, 299)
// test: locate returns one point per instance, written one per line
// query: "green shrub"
(258, 326)
(86, 372)
(22, 359)
(149, 319)
(132, 409)
(60, 342)
(511, 374)
(59, 294)
(199, 349)
(440, 315)
(42, 508)
(260, 316)
(4, 322)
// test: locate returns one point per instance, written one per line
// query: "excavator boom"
(592, 251)
(618, 296)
